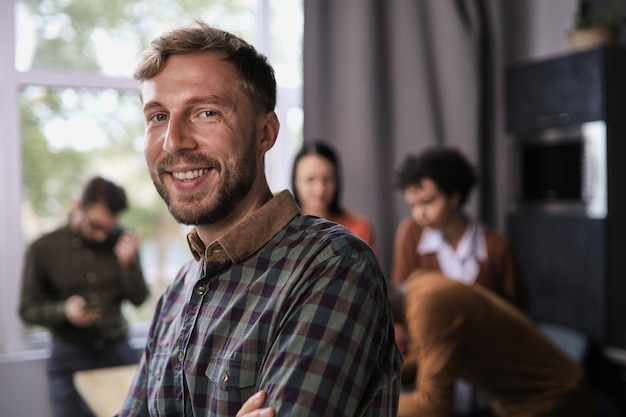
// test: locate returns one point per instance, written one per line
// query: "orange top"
(358, 225)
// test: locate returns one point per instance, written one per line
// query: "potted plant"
(596, 27)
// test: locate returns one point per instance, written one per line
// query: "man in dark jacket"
(75, 279)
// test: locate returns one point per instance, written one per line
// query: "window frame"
(13, 335)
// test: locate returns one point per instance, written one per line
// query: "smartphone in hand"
(91, 306)
(113, 236)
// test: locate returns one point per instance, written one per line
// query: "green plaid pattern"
(301, 313)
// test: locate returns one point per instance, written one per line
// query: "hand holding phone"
(78, 313)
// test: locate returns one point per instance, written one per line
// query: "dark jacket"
(61, 264)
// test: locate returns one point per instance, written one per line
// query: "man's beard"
(236, 181)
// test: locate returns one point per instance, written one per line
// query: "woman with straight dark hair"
(316, 185)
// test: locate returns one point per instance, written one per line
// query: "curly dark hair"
(446, 167)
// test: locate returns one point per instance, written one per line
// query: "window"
(71, 110)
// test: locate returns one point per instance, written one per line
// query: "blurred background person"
(467, 331)
(316, 184)
(440, 236)
(75, 279)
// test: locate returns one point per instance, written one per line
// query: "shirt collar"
(250, 234)
(472, 242)
(431, 241)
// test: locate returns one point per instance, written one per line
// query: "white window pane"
(108, 36)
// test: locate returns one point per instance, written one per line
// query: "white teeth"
(189, 175)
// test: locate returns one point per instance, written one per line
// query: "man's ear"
(268, 132)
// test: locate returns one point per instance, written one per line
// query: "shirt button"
(89, 256)
(201, 290)
(181, 356)
(224, 377)
(91, 277)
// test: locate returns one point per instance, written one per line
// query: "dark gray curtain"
(383, 78)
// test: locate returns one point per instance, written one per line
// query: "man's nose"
(178, 136)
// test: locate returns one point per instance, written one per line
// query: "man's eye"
(159, 117)
(208, 113)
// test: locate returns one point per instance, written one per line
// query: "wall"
(536, 28)
(24, 386)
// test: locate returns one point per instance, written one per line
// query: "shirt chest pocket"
(231, 382)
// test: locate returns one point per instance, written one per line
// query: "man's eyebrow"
(150, 105)
(211, 99)
(206, 99)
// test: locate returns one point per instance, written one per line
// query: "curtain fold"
(384, 78)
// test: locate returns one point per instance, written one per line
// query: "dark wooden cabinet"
(575, 265)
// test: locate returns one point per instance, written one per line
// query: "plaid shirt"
(284, 302)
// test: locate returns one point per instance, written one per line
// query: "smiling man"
(274, 300)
